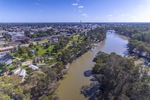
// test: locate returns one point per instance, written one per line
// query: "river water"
(70, 86)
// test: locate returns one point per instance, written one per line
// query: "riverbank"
(68, 65)
(70, 86)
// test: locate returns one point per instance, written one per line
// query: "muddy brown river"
(70, 86)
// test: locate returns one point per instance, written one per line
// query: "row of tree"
(129, 29)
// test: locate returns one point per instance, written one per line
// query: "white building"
(33, 67)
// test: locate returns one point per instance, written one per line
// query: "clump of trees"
(79, 48)
(117, 78)
(139, 37)
(139, 47)
(38, 34)
(145, 37)
(10, 88)
(130, 29)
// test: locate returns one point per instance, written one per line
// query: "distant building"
(22, 73)
(1, 36)
(26, 63)
(6, 59)
(33, 67)
(40, 65)
(16, 36)
(54, 38)
(16, 71)
(52, 66)
(6, 49)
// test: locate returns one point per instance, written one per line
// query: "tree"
(47, 45)
(22, 50)
(4, 96)
(11, 89)
(31, 45)
(41, 82)
(3, 67)
(16, 54)
(117, 79)
(59, 67)
(26, 57)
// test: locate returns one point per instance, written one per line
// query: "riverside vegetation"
(117, 78)
(42, 83)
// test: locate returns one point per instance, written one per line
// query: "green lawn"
(42, 50)
(75, 39)
(51, 63)
(45, 40)
(24, 67)
(11, 67)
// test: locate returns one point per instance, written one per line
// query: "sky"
(74, 10)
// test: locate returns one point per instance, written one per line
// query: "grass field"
(42, 50)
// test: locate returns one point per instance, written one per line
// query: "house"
(16, 36)
(40, 65)
(26, 63)
(6, 49)
(55, 39)
(33, 51)
(68, 34)
(33, 67)
(19, 72)
(22, 73)
(1, 36)
(16, 71)
(52, 66)
(2, 32)
(6, 59)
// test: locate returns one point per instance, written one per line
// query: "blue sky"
(74, 10)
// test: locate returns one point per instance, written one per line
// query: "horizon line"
(63, 22)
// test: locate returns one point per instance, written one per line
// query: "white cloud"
(141, 6)
(75, 4)
(80, 7)
(133, 17)
(122, 15)
(85, 15)
(110, 15)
